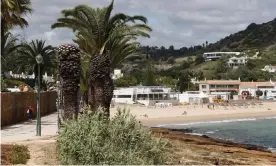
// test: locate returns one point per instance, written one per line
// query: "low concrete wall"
(15, 104)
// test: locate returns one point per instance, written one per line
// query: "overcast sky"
(174, 22)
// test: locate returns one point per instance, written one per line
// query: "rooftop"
(223, 53)
(254, 84)
(221, 82)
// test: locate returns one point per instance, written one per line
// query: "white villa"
(269, 68)
(212, 56)
(117, 73)
(145, 95)
(235, 62)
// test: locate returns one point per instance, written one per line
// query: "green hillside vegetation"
(174, 63)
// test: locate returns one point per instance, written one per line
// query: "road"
(26, 130)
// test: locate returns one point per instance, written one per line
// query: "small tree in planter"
(259, 93)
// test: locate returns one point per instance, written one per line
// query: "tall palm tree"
(28, 52)
(12, 12)
(69, 57)
(8, 50)
(108, 40)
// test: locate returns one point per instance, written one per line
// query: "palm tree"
(8, 50)
(108, 40)
(69, 57)
(28, 52)
(84, 84)
(12, 12)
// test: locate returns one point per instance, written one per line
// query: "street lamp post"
(39, 60)
(58, 100)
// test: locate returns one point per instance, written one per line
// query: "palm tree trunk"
(69, 56)
(85, 97)
(100, 84)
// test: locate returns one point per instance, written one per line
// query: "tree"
(7, 53)
(171, 60)
(69, 57)
(149, 76)
(28, 52)
(199, 59)
(167, 81)
(84, 84)
(126, 81)
(12, 12)
(107, 40)
(184, 82)
(171, 48)
(259, 93)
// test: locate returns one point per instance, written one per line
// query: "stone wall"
(14, 105)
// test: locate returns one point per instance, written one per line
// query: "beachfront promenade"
(26, 130)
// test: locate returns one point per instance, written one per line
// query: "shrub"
(20, 154)
(121, 140)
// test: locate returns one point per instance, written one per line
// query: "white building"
(212, 56)
(269, 87)
(191, 97)
(235, 62)
(45, 77)
(117, 73)
(269, 68)
(146, 95)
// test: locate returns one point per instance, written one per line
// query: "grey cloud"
(175, 22)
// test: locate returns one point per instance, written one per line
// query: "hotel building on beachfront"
(237, 87)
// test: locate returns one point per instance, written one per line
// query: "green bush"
(20, 154)
(121, 140)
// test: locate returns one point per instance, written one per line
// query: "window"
(156, 90)
(142, 96)
(124, 96)
(203, 86)
(266, 87)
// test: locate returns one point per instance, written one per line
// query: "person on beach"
(184, 113)
(30, 113)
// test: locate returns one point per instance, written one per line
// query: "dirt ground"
(6, 154)
(184, 149)
(42, 152)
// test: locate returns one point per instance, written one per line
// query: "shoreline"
(161, 122)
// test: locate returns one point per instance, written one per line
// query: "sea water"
(261, 132)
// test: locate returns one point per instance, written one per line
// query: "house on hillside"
(117, 73)
(269, 68)
(212, 56)
(235, 62)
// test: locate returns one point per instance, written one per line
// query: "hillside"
(254, 36)
(187, 62)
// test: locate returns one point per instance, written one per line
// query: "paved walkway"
(26, 130)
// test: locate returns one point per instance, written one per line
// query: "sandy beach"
(175, 114)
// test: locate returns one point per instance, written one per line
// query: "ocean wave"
(214, 121)
(207, 122)
(210, 132)
(273, 150)
(195, 134)
(274, 117)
